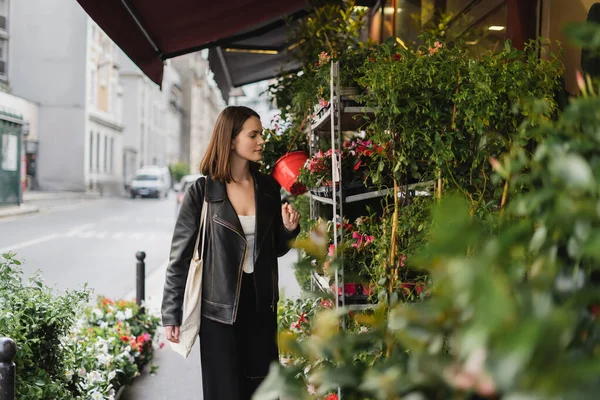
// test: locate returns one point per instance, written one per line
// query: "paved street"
(91, 240)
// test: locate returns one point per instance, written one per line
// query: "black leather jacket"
(225, 249)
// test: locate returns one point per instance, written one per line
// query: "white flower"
(98, 313)
(111, 376)
(94, 376)
(129, 313)
(69, 374)
(363, 329)
(103, 325)
(130, 358)
(82, 371)
(108, 314)
(111, 394)
(104, 358)
(120, 315)
(96, 396)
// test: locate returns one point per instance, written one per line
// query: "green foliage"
(446, 113)
(330, 28)
(38, 320)
(179, 170)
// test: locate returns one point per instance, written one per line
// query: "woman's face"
(248, 144)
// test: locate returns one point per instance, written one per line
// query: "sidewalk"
(178, 378)
(34, 201)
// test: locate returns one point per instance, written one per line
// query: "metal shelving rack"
(342, 113)
(339, 114)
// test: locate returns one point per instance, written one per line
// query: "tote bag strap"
(201, 230)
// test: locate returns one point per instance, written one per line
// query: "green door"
(10, 161)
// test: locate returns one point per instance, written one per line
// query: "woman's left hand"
(290, 217)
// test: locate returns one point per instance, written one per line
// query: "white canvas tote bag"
(192, 298)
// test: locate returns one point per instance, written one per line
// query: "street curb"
(14, 211)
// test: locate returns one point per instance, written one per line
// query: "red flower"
(323, 103)
(106, 301)
(125, 338)
(371, 59)
(297, 324)
(332, 396)
(397, 57)
(143, 338)
(595, 310)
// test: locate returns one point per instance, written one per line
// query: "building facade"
(202, 102)
(71, 70)
(152, 118)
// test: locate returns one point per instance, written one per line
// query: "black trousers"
(236, 358)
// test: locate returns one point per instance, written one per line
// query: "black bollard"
(8, 350)
(140, 279)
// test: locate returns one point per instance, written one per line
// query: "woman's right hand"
(172, 333)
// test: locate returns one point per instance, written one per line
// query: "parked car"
(183, 186)
(151, 182)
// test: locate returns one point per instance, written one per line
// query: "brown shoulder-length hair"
(229, 124)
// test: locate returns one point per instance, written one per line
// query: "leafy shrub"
(179, 170)
(38, 320)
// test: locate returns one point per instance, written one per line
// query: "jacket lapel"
(216, 192)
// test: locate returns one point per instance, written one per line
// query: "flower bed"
(109, 348)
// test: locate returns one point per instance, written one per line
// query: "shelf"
(377, 193)
(352, 119)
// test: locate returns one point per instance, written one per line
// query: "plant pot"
(350, 289)
(286, 171)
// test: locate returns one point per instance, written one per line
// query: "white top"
(248, 226)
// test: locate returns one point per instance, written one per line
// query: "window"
(112, 154)
(91, 151)
(93, 87)
(103, 73)
(97, 151)
(105, 153)
(3, 55)
(3, 14)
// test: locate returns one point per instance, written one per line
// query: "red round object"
(287, 169)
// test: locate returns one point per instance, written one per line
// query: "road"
(92, 241)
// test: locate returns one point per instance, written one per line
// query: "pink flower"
(323, 103)
(324, 58)
(161, 345)
(401, 260)
(331, 252)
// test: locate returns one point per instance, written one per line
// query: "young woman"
(247, 229)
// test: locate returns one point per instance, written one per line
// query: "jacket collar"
(265, 196)
(215, 190)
